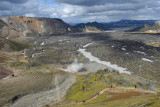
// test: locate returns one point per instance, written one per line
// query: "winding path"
(110, 90)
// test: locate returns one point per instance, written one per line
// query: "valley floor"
(41, 81)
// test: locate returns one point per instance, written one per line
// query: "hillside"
(148, 28)
(4, 72)
(108, 89)
(10, 54)
(32, 26)
(10, 45)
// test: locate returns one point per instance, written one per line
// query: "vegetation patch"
(87, 86)
(17, 63)
(137, 101)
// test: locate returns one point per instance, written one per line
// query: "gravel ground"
(45, 97)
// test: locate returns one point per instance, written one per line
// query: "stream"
(95, 59)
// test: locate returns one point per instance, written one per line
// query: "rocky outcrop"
(148, 28)
(15, 26)
(91, 27)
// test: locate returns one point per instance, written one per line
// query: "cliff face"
(148, 28)
(31, 26)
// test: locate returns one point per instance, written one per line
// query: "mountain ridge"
(148, 28)
(21, 26)
(14, 26)
(102, 26)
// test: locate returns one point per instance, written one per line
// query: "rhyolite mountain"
(148, 28)
(15, 26)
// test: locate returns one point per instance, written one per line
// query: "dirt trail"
(12, 70)
(121, 90)
(117, 90)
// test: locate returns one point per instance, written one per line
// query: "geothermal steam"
(74, 67)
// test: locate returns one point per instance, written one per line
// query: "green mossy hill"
(89, 85)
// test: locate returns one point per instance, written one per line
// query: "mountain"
(131, 22)
(15, 26)
(148, 28)
(127, 23)
(102, 26)
(91, 27)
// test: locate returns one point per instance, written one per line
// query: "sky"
(77, 11)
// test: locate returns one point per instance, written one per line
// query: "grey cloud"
(5, 6)
(96, 2)
(109, 7)
(82, 11)
(15, 1)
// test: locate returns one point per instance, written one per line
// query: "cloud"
(82, 10)
(30, 15)
(96, 2)
(15, 1)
